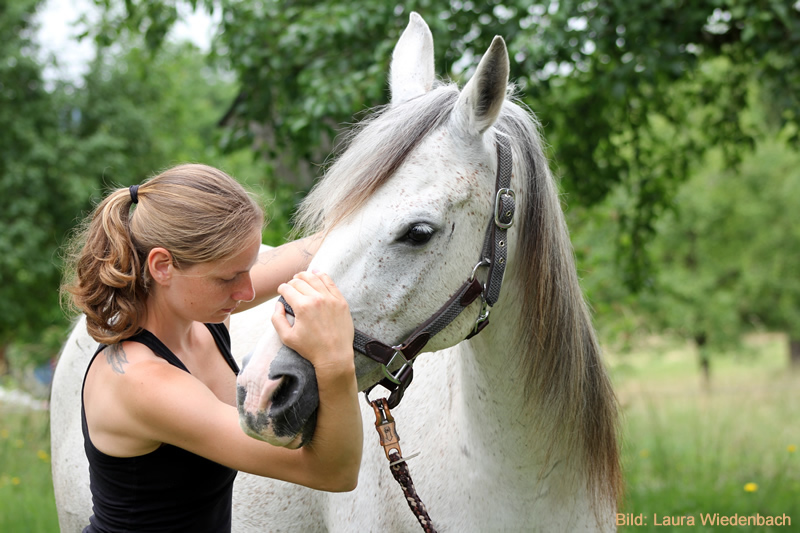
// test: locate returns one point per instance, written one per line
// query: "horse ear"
(480, 102)
(412, 61)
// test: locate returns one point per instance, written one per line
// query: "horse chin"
(284, 413)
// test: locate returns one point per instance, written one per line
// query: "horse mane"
(564, 374)
(563, 365)
(369, 155)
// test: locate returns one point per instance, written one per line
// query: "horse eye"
(419, 234)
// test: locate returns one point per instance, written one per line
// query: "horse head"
(404, 211)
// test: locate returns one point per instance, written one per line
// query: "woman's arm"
(173, 407)
(323, 333)
(279, 265)
(164, 404)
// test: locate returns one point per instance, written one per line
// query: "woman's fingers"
(309, 281)
(279, 321)
(310, 284)
(323, 325)
(329, 284)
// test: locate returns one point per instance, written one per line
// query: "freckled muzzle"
(282, 410)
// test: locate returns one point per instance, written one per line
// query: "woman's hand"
(323, 328)
(323, 334)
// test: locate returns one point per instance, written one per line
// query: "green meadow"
(718, 451)
(696, 452)
(27, 504)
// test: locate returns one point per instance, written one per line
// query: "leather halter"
(493, 256)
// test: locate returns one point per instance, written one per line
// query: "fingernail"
(315, 271)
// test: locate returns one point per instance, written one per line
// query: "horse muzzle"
(282, 409)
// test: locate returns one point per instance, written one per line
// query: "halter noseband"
(493, 256)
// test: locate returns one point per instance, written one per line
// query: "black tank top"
(168, 489)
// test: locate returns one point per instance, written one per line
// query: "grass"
(733, 449)
(691, 450)
(27, 504)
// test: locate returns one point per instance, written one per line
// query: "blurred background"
(672, 125)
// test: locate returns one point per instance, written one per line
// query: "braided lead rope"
(403, 476)
(390, 440)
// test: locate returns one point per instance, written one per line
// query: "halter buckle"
(504, 220)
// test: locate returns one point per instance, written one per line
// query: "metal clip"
(384, 424)
(485, 262)
(483, 316)
(395, 378)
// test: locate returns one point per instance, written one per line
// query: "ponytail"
(108, 282)
(196, 212)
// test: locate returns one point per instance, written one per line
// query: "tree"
(61, 149)
(598, 72)
(39, 193)
(768, 200)
(163, 109)
(726, 257)
(727, 262)
(724, 253)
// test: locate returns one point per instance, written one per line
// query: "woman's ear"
(159, 263)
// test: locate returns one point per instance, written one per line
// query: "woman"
(158, 271)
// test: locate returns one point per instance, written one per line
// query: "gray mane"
(372, 151)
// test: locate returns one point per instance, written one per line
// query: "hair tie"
(134, 189)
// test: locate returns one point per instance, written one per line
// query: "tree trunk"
(705, 363)
(3, 360)
(794, 354)
(705, 366)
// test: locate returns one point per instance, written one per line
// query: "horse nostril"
(287, 392)
(281, 405)
(246, 360)
(296, 398)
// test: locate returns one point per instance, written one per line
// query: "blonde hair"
(196, 212)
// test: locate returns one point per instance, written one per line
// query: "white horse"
(517, 426)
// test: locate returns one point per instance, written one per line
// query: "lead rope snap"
(390, 440)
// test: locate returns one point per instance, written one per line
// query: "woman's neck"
(176, 332)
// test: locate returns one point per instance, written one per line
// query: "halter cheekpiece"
(134, 190)
(493, 256)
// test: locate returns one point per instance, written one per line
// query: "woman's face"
(209, 292)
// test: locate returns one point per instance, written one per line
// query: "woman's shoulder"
(122, 391)
(132, 373)
(127, 369)
(160, 402)
(121, 357)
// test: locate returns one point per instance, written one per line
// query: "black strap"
(496, 243)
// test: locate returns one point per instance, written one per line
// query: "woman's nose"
(245, 292)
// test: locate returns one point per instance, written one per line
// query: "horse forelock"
(370, 154)
(561, 356)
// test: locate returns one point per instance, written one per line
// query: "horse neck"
(531, 433)
(492, 380)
